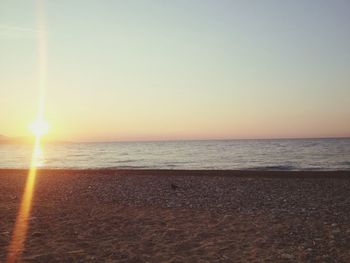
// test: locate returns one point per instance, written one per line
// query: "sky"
(184, 69)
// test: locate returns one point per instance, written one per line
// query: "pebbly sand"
(180, 216)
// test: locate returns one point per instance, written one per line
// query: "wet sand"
(180, 216)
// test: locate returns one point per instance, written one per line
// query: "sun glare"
(39, 127)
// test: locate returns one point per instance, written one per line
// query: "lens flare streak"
(21, 225)
(40, 127)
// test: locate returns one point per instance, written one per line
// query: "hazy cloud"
(10, 32)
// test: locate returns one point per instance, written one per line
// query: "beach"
(108, 215)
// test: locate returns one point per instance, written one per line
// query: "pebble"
(37, 234)
(287, 256)
(336, 231)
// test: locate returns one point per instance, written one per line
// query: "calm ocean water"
(283, 154)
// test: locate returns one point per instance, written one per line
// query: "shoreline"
(191, 172)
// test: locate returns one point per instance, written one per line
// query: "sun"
(39, 127)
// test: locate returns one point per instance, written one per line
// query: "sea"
(277, 154)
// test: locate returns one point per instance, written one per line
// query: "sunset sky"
(184, 69)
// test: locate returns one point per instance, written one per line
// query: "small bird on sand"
(174, 186)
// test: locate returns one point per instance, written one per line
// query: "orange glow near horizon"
(39, 127)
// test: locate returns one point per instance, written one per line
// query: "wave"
(126, 161)
(274, 168)
(126, 167)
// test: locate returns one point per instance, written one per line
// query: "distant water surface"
(282, 154)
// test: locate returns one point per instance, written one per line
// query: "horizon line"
(210, 139)
(9, 138)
